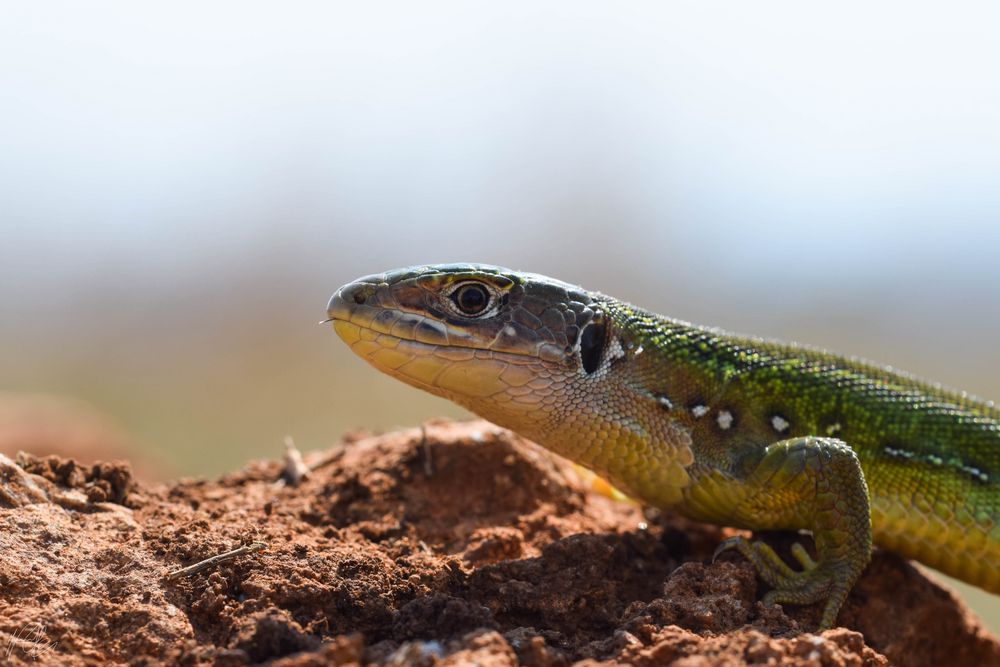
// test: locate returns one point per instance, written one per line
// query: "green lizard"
(731, 430)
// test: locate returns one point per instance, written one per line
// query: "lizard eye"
(471, 299)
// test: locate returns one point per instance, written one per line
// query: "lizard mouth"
(359, 317)
(453, 372)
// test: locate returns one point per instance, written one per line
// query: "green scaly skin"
(731, 430)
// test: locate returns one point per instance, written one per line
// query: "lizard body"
(732, 430)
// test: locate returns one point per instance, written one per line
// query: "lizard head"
(482, 336)
(552, 361)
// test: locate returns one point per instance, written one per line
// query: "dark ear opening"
(592, 340)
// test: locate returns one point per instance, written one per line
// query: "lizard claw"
(726, 545)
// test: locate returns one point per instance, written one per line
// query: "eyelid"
(454, 287)
(452, 290)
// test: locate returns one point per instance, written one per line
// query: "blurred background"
(182, 186)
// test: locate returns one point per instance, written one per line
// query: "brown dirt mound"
(452, 544)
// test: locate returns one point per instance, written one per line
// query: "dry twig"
(214, 560)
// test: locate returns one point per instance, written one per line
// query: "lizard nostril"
(359, 297)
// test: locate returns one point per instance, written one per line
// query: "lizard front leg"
(802, 483)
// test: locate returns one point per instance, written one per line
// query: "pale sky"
(716, 147)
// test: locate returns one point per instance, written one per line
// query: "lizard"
(728, 429)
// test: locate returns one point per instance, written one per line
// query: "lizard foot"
(815, 484)
(824, 580)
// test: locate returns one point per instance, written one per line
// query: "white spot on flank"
(977, 473)
(665, 402)
(779, 423)
(699, 410)
(833, 429)
(725, 419)
(638, 350)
